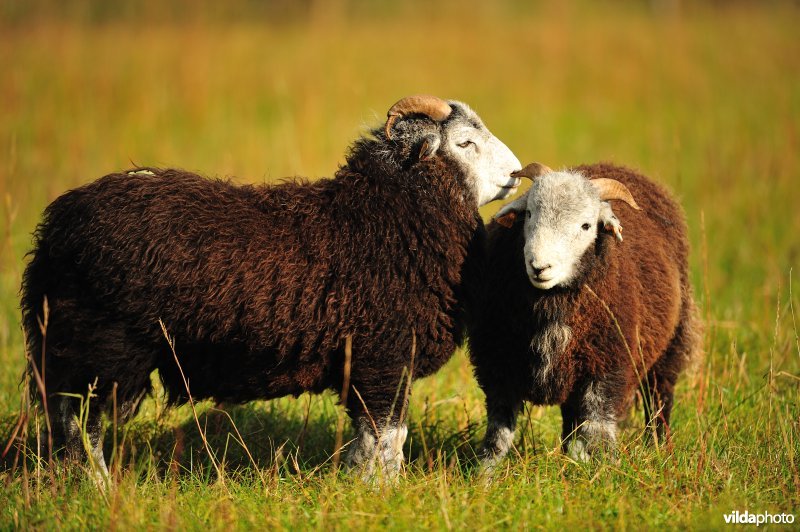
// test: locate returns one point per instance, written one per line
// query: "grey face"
(562, 213)
(560, 225)
(486, 161)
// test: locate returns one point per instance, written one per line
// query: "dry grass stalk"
(171, 342)
(348, 358)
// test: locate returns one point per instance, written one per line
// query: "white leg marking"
(390, 445)
(590, 436)
(362, 448)
(387, 450)
(74, 443)
(577, 450)
(498, 441)
(98, 461)
(599, 428)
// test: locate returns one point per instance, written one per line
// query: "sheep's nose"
(537, 270)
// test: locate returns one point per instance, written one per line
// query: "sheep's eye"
(465, 144)
(527, 214)
(585, 227)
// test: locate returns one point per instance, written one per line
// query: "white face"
(561, 219)
(488, 161)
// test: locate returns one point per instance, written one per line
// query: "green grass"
(704, 100)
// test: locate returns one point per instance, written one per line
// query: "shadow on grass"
(295, 436)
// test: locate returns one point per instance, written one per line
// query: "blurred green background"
(704, 97)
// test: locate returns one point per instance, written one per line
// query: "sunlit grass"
(706, 101)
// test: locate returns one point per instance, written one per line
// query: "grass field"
(705, 100)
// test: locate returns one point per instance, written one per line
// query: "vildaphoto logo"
(746, 518)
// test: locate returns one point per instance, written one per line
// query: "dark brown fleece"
(643, 280)
(259, 285)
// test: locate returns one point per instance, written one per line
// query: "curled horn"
(532, 171)
(611, 189)
(422, 104)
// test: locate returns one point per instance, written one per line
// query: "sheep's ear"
(507, 215)
(609, 221)
(429, 147)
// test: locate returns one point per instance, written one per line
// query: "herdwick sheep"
(261, 285)
(569, 315)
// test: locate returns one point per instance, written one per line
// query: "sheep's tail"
(36, 279)
(693, 333)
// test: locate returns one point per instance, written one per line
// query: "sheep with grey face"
(261, 285)
(569, 314)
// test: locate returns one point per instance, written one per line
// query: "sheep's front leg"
(589, 421)
(501, 422)
(377, 454)
(378, 415)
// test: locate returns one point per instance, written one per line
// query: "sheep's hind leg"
(658, 399)
(662, 377)
(66, 430)
(97, 461)
(68, 435)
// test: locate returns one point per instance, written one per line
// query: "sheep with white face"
(563, 213)
(452, 129)
(566, 316)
